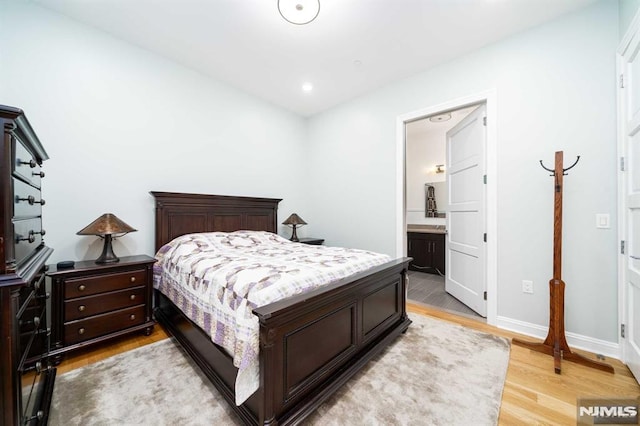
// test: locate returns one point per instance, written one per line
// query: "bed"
(364, 314)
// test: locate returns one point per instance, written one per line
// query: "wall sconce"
(106, 226)
(294, 220)
(439, 168)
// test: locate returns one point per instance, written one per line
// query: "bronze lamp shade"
(106, 226)
(294, 220)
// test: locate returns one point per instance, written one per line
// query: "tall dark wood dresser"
(26, 373)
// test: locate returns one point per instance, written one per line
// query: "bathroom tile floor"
(429, 289)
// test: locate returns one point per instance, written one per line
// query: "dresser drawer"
(32, 337)
(31, 295)
(32, 321)
(26, 200)
(25, 164)
(99, 325)
(83, 307)
(28, 237)
(78, 287)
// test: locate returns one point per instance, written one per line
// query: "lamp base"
(294, 235)
(107, 256)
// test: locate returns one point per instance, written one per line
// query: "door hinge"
(622, 330)
(485, 295)
(484, 179)
(622, 247)
(485, 237)
(622, 164)
(484, 121)
(622, 81)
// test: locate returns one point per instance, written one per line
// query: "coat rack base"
(563, 353)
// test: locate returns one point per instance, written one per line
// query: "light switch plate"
(602, 221)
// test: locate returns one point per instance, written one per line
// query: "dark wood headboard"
(179, 213)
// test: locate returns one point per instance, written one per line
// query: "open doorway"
(434, 203)
(427, 190)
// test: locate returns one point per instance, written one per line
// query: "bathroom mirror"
(435, 199)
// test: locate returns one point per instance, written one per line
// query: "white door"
(630, 130)
(466, 224)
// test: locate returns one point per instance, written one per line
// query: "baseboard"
(574, 340)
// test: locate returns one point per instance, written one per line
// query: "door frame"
(623, 315)
(488, 97)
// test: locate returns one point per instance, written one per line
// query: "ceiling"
(439, 124)
(353, 47)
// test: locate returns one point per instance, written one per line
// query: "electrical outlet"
(527, 286)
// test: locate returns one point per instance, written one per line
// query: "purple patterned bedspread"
(218, 278)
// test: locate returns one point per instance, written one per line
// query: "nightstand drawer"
(78, 331)
(92, 305)
(78, 287)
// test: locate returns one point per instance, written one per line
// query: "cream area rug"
(437, 373)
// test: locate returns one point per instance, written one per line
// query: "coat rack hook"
(548, 169)
(564, 171)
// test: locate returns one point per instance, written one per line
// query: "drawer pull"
(35, 321)
(30, 199)
(31, 238)
(45, 296)
(81, 308)
(38, 367)
(39, 416)
(32, 163)
(41, 174)
(132, 317)
(81, 330)
(81, 287)
(133, 279)
(132, 297)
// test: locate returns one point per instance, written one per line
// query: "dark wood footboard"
(310, 345)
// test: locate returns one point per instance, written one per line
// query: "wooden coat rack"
(556, 343)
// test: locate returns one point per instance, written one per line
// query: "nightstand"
(312, 241)
(91, 302)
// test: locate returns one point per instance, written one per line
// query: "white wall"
(425, 148)
(118, 122)
(556, 90)
(627, 10)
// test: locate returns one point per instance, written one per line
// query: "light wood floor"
(533, 393)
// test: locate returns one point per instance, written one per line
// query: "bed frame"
(310, 344)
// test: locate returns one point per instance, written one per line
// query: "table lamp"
(106, 226)
(294, 220)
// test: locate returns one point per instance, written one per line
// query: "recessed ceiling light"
(440, 118)
(307, 87)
